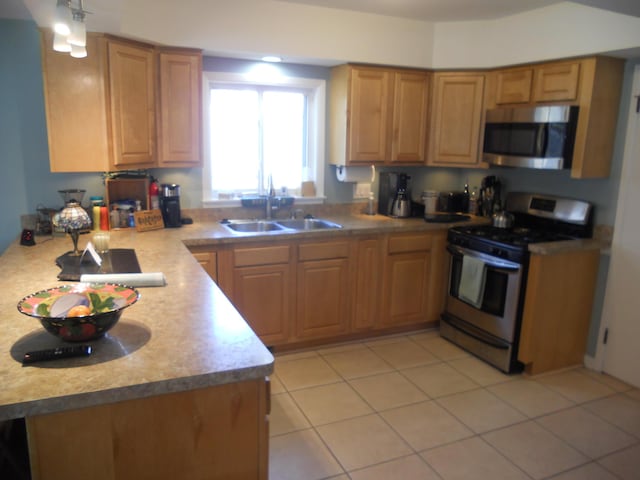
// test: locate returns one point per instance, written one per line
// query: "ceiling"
(427, 10)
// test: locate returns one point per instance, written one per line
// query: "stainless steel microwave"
(531, 137)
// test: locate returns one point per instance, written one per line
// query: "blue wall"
(25, 179)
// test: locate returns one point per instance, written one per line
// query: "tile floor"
(417, 407)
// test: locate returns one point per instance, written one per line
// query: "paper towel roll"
(355, 174)
(155, 279)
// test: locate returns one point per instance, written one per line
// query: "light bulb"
(78, 35)
(78, 52)
(62, 19)
(60, 43)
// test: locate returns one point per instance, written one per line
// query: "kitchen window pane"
(257, 132)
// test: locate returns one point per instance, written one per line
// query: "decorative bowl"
(81, 312)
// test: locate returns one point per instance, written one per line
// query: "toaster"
(453, 202)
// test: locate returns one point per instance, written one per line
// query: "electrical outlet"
(361, 190)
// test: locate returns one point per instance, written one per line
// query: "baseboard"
(591, 363)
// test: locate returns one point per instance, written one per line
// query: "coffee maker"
(170, 205)
(394, 195)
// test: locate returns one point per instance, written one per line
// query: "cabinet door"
(457, 120)
(368, 115)
(218, 433)
(76, 107)
(262, 296)
(410, 109)
(180, 115)
(322, 308)
(405, 288)
(209, 262)
(513, 86)
(367, 282)
(556, 82)
(132, 84)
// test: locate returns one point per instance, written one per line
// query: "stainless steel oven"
(490, 327)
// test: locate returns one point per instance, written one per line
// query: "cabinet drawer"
(322, 251)
(410, 243)
(245, 257)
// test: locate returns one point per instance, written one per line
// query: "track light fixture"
(70, 33)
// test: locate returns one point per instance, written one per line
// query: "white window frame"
(316, 129)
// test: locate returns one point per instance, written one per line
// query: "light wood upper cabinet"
(116, 109)
(410, 107)
(556, 82)
(180, 108)
(513, 86)
(378, 115)
(368, 115)
(77, 110)
(456, 122)
(592, 83)
(132, 95)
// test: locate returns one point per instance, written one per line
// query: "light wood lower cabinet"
(296, 292)
(412, 291)
(263, 294)
(557, 310)
(259, 281)
(322, 290)
(366, 284)
(218, 432)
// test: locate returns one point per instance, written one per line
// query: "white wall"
(562, 30)
(325, 36)
(299, 33)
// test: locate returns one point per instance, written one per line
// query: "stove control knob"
(497, 252)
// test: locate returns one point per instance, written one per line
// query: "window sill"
(231, 203)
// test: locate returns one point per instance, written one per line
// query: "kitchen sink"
(266, 226)
(308, 224)
(253, 226)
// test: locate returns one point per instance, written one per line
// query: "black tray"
(123, 260)
(446, 217)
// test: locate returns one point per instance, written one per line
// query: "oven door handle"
(496, 264)
(467, 331)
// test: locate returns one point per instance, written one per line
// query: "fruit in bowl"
(81, 312)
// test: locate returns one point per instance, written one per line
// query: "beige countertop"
(182, 336)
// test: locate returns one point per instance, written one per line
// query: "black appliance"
(489, 325)
(453, 202)
(170, 205)
(394, 195)
(490, 196)
(531, 137)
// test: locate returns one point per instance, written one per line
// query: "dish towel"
(472, 281)
(156, 279)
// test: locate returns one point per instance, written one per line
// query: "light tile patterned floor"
(417, 407)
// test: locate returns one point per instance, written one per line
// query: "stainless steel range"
(488, 273)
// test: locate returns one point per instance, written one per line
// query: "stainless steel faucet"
(271, 203)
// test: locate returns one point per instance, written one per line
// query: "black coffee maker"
(170, 205)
